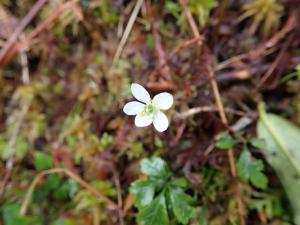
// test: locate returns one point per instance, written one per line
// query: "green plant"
(202, 9)
(199, 8)
(292, 75)
(250, 169)
(224, 141)
(265, 12)
(267, 203)
(86, 201)
(282, 153)
(161, 198)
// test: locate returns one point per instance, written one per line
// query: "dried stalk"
(221, 110)
(127, 31)
(83, 183)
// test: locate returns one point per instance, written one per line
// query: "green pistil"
(149, 109)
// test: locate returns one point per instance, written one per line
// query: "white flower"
(150, 110)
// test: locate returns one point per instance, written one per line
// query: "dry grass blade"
(127, 31)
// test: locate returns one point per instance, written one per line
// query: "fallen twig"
(274, 64)
(185, 44)
(264, 48)
(24, 64)
(23, 44)
(119, 194)
(221, 110)
(82, 182)
(25, 21)
(11, 145)
(162, 59)
(200, 109)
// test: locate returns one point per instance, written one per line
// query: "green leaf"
(21, 147)
(225, 141)
(42, 161)
(155, 167)
(155, 213)
(250, 169)
(10, 213)
(150, 41)
(65, 222)
(143, 191)
(63, 191)
(202, 216)
(3, 148)
(282, 153)
(106, 140)
(258, 179)
(269, 204)
(173, 8)
(258, 143)
(181, 205)
(179, 182)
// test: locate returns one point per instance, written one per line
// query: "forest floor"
(69, 155)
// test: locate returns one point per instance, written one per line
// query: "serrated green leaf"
(161, 196)
(282, 153)
(225, 141)
(181, 205)
(155, 167)
(143, 191)
(250, 169)
(42, 161)
(155, 213)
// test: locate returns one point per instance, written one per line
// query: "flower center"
(149, 109)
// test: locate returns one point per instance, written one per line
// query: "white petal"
(133, 108)
(160, 122)
(140, 93)
(163, 100)
(143, 121)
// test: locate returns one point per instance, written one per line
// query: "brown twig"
(12, 143)
(179, 134)
(25, 21)
(175, 51)
(200, 109)
(162, 59)
(82, 182)
(41, 27)
(185, 45)
(24, 63)
(221, 110)
(230, 151)
(119, 194)
(274, 64)
(263, 48)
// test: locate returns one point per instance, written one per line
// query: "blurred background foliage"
(62, 97)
